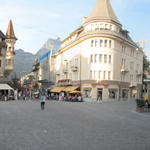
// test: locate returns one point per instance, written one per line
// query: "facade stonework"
(101, 58)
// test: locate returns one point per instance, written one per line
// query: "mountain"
(23, 63)
(25, 60)
(51, 44)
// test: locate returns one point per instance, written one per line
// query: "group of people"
(7, 96)
(71, 98)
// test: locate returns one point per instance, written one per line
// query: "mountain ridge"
(24, 60)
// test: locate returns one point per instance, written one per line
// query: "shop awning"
(5, 87)
(70, 88)
(58, 89)
(87, 88)
(75, 92)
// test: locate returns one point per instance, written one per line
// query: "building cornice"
(99, 20)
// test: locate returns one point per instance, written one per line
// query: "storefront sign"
(103, 84)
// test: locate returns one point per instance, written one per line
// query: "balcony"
(139, 73)
(74, 68)
(9, 67)
(124, 69)
(133, 84)
(58, 73)
(64, 82)
(65, 70)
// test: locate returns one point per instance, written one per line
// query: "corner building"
(100, 57)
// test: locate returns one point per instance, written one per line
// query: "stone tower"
(10, 41)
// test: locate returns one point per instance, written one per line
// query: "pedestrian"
(5, 97)
(100, 99)
(79, 98)
(146, 98)
(43, 99)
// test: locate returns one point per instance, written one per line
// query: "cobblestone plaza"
(72, 126)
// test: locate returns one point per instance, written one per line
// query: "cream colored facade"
(100, 57)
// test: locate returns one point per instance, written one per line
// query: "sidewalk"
(90, 100)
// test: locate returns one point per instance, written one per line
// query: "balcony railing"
(74, 68)
(9, 67)
(64, 82)
(57, 73)
(124, 69)
(133, 84)
(139, 73)
(65, 70)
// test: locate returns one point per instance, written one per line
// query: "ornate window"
(105, 44)
(109, 59)
(100, 58)
(92, 42)
(101, 43)
(110, 44)
(96, 43)
(96, 58)
(91, 58)
(105, 58)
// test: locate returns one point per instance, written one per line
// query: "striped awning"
(70, 88)
(58, 89)
(75, 92)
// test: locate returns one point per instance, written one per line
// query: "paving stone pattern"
(73, 126)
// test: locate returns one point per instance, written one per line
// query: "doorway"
(99, 93)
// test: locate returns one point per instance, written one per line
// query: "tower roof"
(10, 31)
(103, 10)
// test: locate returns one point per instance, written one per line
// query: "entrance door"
(125, 93)
(99, 93)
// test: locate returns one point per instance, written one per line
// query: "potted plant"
(140, 105)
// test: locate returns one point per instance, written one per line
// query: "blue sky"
(37, 20)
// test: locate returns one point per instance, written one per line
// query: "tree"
(16, 83)
(7, 73)
(146, 64)
(36, 86)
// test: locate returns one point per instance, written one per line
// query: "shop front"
(65, 92)
(87, 92)
(104, 91)
(113, 93)
(125, 93)
(6, 92)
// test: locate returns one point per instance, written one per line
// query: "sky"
(35, 21)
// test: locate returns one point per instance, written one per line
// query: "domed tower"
(10, 41)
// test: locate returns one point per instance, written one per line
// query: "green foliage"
(16, 83)
(146, 65)
(6, 73)
(36, 86)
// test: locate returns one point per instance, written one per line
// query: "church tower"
(10, 41)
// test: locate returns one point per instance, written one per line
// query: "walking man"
(100, 99)
(43, 98)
